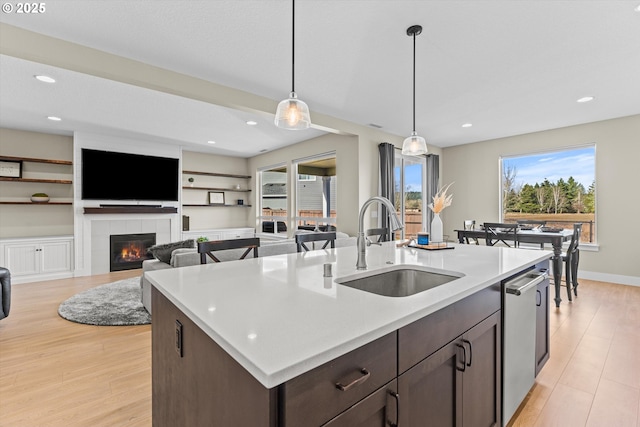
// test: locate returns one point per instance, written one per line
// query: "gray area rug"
(113, 304)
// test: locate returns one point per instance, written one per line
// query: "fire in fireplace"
(129, 250)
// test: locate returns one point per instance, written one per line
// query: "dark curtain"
(433, 172)
(387, 156)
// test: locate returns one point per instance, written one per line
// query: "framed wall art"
(11, 168)
(216, 198)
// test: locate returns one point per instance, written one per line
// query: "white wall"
(474, 168)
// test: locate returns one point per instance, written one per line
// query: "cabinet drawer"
(423, 337)
(314, 398)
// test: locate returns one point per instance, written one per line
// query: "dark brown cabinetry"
(380, 409)
(317, 396)
(444, 370)
(542, 325)
(458, 385)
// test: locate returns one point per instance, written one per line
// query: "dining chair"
(470, 224)
(382, 233)
(206, 249)
(571, 258)
(496, 232)
(303, 238)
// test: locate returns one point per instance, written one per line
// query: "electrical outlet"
(179, 338)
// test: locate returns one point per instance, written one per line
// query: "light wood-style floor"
(58, 373)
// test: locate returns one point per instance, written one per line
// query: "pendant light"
(292, 113)
(414, 145)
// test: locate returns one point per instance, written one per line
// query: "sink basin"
(399, 282)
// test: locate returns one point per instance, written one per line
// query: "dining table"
(554, 238)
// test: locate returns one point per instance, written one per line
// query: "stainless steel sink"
(399, 282)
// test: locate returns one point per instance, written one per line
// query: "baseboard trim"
(612, 278)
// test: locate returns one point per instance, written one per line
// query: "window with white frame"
(557, 187)
(316, 192)
(409, 174)
(272, 217)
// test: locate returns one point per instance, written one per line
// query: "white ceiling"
(508, 67)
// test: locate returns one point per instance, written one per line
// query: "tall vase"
(436, 229)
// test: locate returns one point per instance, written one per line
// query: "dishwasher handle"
(518, 290)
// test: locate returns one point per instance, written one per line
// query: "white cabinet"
(221, 233)
(36, 259)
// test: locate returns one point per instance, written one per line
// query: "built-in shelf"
(31, 159)
(218, 206)
(45, 181)
(35, 203)
(129, 209)
(226, 175)
(216, 189)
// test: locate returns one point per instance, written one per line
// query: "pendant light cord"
(414, 82)
(293, 45)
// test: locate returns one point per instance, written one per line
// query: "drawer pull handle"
(365, 376)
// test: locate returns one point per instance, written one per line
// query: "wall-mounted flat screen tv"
(108, 175)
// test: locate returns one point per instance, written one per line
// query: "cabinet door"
(55, 257)
(482, 379)
(380, 409)
(22, 259)
(431, 391)
(542, 325)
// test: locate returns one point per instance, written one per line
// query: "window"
(273, 201)
(556, 186)
(316, 191)
(409, 182)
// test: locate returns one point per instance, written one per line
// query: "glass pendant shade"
(292, 114)
(414, 145)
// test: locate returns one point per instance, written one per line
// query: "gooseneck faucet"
(395, 223)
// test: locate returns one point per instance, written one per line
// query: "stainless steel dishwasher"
(519, 345)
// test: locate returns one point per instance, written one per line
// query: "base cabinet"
(380, 409)
(542, 325)
(38, 259)
(457, 385)
(442, 370)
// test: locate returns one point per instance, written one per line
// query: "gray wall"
(474, 169)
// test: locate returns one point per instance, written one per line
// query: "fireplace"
(127, 251)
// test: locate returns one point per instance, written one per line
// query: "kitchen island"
(254, 342)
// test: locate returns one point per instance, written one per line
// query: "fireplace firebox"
(129, 250)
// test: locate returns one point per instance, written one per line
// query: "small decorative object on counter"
(440, 201)
(40, 198)
(202, 239)
(423, 238)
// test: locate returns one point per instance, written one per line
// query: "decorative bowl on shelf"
(40, 198)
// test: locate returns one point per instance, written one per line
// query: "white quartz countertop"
(279, 317)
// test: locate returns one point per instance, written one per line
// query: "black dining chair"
(571, 258)
(496, 232)
(381, 233)
(303, 238)
(206, 249)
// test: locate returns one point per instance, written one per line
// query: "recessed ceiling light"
(54, 118)
(252, 122)
(586, 99)
(637, 9)
(467, 125)
(211, 142)
(45, 79)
